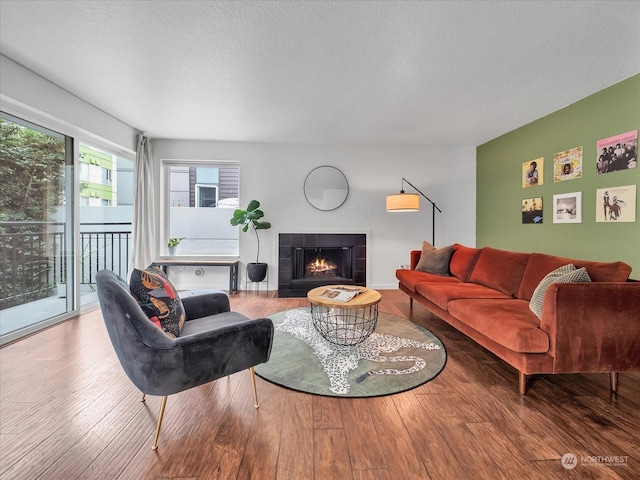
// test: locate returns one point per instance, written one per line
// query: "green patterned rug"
(398, 356)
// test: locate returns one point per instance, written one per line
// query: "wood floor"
(67, 411)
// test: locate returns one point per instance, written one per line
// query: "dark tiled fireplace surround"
(290, 252)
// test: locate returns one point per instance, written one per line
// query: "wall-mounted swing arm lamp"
(410, 202)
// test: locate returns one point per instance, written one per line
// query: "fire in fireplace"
(320, 267)
(322, 262)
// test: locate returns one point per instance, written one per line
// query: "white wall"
(31, 97)
(274, 174)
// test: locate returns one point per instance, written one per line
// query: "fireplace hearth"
(307, 261)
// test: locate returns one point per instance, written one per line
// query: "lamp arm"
(430, 201)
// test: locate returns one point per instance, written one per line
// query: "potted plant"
(251, 216)
(173, 245)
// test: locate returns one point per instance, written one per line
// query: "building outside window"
(198, 201)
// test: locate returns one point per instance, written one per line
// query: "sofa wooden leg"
(522, 380)
(613, 378)
(410, 303)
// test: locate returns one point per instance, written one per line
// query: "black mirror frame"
(346, 187)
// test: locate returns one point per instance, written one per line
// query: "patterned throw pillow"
(565, 274)
(159, 300)
(434, 260)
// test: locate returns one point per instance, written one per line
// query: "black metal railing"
(104, 250)
(34, 257)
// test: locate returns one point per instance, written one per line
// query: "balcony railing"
(34, 257)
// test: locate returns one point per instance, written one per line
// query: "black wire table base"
(344, 326)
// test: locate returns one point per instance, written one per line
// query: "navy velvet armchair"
(213, 343)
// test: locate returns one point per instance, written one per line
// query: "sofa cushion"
(540, 264)
(507, 322)
(159, 300)
(500, 269)
(410, 278)
(442, 293)
(434, 260)
(565, 274)
(463, 259)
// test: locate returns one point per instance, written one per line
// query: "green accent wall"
(607, 113)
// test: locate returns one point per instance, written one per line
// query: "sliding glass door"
(36, 226)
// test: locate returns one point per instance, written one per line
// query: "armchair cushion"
(159, 300)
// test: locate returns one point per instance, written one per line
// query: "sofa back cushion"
(463, 260)
(541, 264)
(500, 270)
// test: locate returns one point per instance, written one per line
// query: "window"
(207, 196)
(106, 177)
(84, 172)
(198, 201)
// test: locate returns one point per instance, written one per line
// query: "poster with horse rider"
(616, 204)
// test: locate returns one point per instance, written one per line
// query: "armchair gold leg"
(253, 383)
(160, 415)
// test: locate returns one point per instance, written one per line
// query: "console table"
(231, 264)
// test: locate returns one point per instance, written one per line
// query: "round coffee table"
(344, 323)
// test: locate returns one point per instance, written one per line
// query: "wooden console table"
(231, 264)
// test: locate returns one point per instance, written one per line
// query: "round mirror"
(326, 188)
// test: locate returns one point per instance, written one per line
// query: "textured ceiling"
(421, 73)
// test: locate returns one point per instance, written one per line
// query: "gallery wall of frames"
(566, 184)
(613, 204)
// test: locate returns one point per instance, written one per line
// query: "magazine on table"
(341, 294)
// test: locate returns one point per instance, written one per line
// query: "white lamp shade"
(403, 202)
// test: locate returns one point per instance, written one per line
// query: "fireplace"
(307, 261)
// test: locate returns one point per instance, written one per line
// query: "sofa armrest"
(201, 303)
(593, 327)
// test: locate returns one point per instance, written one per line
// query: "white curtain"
(143, 225)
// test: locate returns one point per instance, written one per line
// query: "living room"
(465, 151)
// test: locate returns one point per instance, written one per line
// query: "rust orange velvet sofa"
(584, 327)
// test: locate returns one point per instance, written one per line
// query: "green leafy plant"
(251, 216)
(174, 242)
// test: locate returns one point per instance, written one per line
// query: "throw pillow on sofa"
(434, 260)
(159, 300)
(565, 274)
